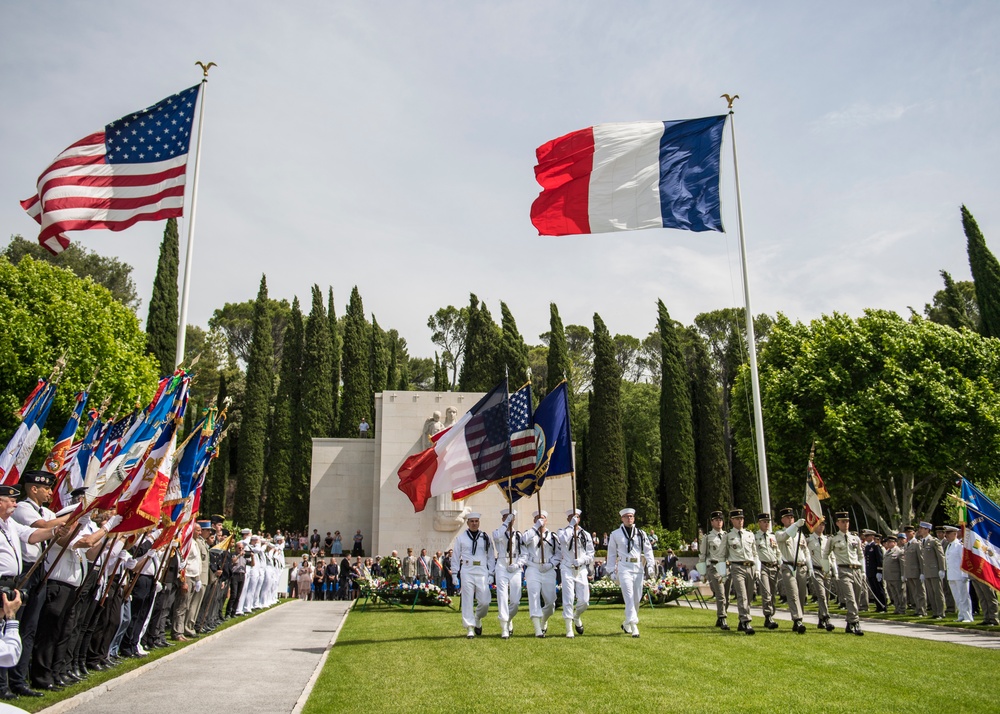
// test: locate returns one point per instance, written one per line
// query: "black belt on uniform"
(793, 565)
(742, 562)
(714, 562)
(848, 565)
(769, 565)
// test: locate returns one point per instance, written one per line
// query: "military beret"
(736, 513)
(10, 491)
(842, 516)
(786, 512)
(716, 514)
(626, 512)
(38, 478)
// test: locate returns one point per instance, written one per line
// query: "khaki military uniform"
(741, 552)
(850, 559)
(795, 566)
(915, 593)
(767, 553)
(712, 552)
(892, 574)
(931, 565)
(824, 573)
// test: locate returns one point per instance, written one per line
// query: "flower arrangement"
(390, 566)
(663, 590)
(393, 592)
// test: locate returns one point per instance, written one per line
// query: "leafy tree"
(955, 305)
(235, 321)
(480, 367)
(648, 360)
(280, 508)
(337, 348)
(641, 427)
(538, 364)
(580, 345)
(558, 364)
(628, 350)
(356, 374)
(986, 274)
(108, 271)
(47, 311)
(892, 406)
(438, 383)
(301, 438)
(256, 413)
(214, 491)
(210, 349)
(449, 327)
(379, 365)
(513, 352)
(607, 473)
(161, 323)
(714, 482)
(317, 380)
(677, 472)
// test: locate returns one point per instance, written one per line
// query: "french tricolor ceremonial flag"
(981, 536)
(629, 176)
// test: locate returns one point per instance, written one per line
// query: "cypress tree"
(301, 442)
(437, 373)
(677, 464)
(714, 485)
(481, 368)
(279, 507)
(955, 312)
(392, 372)
(985, 274)
(161, 323)
(256, 409)
(357, 395)
(317, 380)
(404, 375)
(214, 491)
(337, 348)
(379, 365)
(558, 363)
(607, 476)
(513, 352)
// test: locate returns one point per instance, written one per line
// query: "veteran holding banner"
(628, 547)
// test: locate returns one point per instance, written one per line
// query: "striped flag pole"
(188, 254)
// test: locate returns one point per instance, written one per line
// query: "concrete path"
(261, 665)
(954, 635)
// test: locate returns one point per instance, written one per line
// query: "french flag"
(630, 176)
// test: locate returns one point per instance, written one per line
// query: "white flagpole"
(758, 417)
(186, 289)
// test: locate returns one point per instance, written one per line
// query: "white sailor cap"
(246, 531)
(543, 514)
(473, 515)
(506, 511)
(255, 536)
(626, 512)
(573, 512)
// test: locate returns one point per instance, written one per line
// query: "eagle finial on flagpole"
(727, 97)
(206, 67)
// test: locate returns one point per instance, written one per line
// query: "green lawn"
(391, 660)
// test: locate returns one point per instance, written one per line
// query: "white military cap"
(473, 515)
(505, 511)
(573, 512)
(246, 531)
(543, 514)
(626, 511)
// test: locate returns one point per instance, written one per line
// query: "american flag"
(522, 433)
(132, 171)
(487, 438)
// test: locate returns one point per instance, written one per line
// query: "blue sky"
(391, 146)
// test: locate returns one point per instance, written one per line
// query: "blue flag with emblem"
(553, 445)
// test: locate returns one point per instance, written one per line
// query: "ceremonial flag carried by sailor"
(981, 557)
(553, 445)
(630, 176)
(133, 170)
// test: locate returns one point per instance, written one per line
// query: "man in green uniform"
(712, 562)
(741, 552)
(845, 547)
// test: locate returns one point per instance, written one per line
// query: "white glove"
(574, 521)
(801, 522)
(649, 572)
(197, 586)
(85, 521)
(941, 574)
(513, 568)
(155, 533)
(545, 567)
(576, 563)
(159, 586)
(508, 518)
(878, 577)
(922, 577)
(112, 522)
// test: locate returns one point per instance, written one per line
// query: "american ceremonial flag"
(133, 170)
(522, 433)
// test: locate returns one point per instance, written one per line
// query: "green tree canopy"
(356, 400)
(235, 321)
(161, 322)
(480, 368)
(449, 328)
(607, 473)
(986, 274)
(954, 305)
(892, 405)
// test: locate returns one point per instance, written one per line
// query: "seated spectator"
(694, 576)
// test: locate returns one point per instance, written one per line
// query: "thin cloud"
(862, 114)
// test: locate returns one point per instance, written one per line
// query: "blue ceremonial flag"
(553, 445)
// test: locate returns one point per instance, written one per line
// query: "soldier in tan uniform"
(845, 547)
(892, 574)
(741, 552)
(767, 554)
(949, 598)
(796, 565)
(932, 568)
(712, 559)
(915, 594)
(824, 574)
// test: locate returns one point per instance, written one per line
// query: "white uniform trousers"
(508, 592)
(541, 592)
(475, 586)
(963, 601)
(630, 580)
(246, 597)
(575, 592)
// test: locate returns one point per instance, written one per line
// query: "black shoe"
(741, 627)
(69, 678)
(579, 629)
(49, 687)
(798, 627)
(724, 626)
(770, 624)
(26, 692)
(7, 695)
(829, 625)
(718, 621)
(857, 629)
(479, 631)
(748, 628)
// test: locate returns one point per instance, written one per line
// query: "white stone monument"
(354, 483)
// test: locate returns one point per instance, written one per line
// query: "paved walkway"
(260, 665)
(955, 635)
